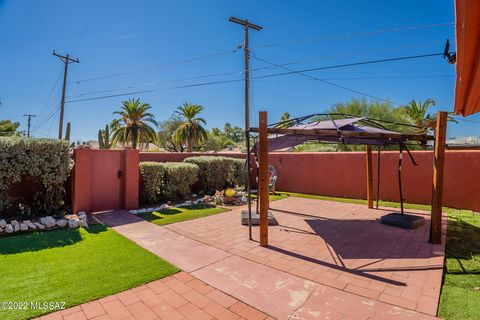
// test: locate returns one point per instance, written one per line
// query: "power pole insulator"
(66, 60)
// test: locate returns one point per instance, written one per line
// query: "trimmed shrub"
(217, 173)
(240, 172)
(36, 169)
(163, 181)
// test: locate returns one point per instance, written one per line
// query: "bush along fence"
(165, 181)
(33, 173)
(203, 175)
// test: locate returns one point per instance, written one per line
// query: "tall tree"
(166, 134)
(418, 112)
(285, 116)
(8, 128)
(191, 132)
(134, 125)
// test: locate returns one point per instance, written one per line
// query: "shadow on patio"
(336, 244)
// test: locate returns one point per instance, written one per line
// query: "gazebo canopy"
(347, 130)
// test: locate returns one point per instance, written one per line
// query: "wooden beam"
(346, 134)
(369, 177)
(438, 170)
(263, 178)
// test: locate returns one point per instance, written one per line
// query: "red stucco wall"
(342, 174)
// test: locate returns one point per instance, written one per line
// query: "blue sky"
(144, 45)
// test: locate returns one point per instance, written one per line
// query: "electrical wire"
(328, 82)
(51, 114)
(357, 34)
(46, 100)
(166, 82)
(218, 54)
(156, 90)
(291, 71)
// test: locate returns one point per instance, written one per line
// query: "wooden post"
(369, 177)
(263, 178)
(438, 169)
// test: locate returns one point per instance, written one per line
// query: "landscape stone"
(73, 223)
(30, 224)
(3, 223)
(15, 225)
(61, 223)
(39, 226)
(48, 221)
(9, 228)
(82, 215)
(84, 223)
(23, 227)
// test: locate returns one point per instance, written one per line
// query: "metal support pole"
(378, 176)
(400, 156)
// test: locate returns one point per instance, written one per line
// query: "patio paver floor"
(325, 260)
(180, 296)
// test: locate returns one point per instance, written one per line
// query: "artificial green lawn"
(460, 297)
(173, 215)
(73, 266)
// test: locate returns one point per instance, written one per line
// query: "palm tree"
(134, 125)
(417, 111)
(285, 117)
(191, 131)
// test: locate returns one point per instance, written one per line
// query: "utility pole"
(246, 26)
(28, 122)
(66, 60)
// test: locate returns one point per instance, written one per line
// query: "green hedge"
(240, 172)
(163, 181)
(42, 166)
(218, 173)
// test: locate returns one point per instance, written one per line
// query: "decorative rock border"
(72, 221)
(207, 200)
(166, 206)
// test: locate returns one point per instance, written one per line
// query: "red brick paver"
(325, 260)
(339, 245)
(143, 303)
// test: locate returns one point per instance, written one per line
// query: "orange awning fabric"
(467, 87)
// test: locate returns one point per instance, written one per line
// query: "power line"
(157, 67)
(48, 98)
(266, 76)
(50, 115)
(156, 90)
(357, 34)
(328, 82)
(348, 64)
(168, 81)
(370, 78)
